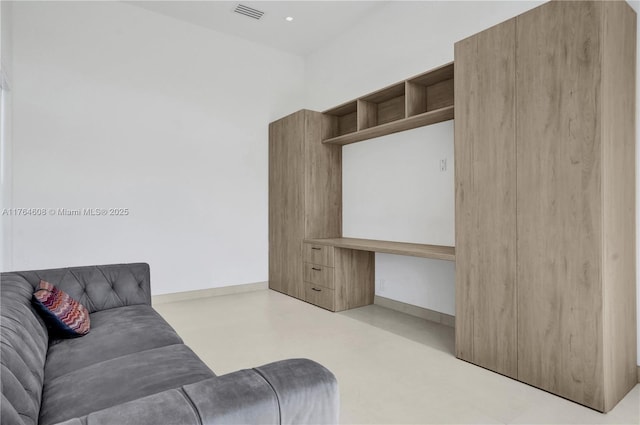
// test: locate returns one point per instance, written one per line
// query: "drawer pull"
(315, 248)
(316, 289)
(316, 269)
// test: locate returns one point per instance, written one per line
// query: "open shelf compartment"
(382, 107)
(422, 100)
(341, 120)
(430, 91)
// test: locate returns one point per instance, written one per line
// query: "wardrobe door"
(485, 166)
(286, 204)
(559, 200)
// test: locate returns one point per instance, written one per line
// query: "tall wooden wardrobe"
(305, 195)
(545, 200)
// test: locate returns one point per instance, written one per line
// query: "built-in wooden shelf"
(437, 252)
(418, 101)
(431, 117)
(340, 120)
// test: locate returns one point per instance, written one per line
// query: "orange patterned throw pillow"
(63, 315)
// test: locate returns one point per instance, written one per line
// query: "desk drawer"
(318, 254)
(320, 275)
(320, 296)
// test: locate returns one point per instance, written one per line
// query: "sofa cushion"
(23, 348)
(120, 380)
(114, 333)
(64, 316)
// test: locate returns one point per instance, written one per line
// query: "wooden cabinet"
(545, 200)
(305, 195)
(338, 278)
(305, 189)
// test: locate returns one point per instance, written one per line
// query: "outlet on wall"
(381, 285)
(443, 164)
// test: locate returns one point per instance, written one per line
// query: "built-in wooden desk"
(338, 273)
(437, 252)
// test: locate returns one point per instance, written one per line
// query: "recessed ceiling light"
(289, 18)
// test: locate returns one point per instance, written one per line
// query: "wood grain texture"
(618, 189)
(439, 95)
(435, 75)
(320, 296)
(386, 93)
(391, 110)
(340, 120)
(347, 123)
(559, 214)
(342, 109)
(485, 171)
(437, 252)
(398, 107)
(354, 278)
(416, 99)
(367, 114)
(318, 254)
(322, 182)
(305, 195)
(330, 126)
(427, 118)
(318, 275)
(286, 203)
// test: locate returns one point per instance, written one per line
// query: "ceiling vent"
(248, 11)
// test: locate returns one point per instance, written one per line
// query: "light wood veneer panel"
(318, 254)
(286, 201)
(391, 110)
(319, 275)
(485, 166)
(431, 117)
(353, 278)
(415, 99)
(320, 296)
(439, 95)
(322, 182)
(437, 252)
(367, 114)
(559, 220)
(618, 185)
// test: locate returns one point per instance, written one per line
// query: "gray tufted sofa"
(132, 368)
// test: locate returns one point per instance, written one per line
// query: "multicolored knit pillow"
(63, 315)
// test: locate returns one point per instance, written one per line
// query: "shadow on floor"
(434, 335)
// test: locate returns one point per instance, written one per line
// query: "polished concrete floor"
(391, 368)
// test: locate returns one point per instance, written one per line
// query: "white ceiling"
(315, 22)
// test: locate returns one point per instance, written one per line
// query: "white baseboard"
(414, 310)
(210, 292)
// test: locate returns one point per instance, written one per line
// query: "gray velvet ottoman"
(132, 367)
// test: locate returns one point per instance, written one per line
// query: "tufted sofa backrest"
(99, 287)
(23, 336)
(23, 349)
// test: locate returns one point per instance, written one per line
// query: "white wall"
(116, 106)
(5, 133)
(393, 189)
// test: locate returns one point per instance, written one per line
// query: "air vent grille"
(248, 11)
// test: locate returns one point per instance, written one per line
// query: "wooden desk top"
(437, 252)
